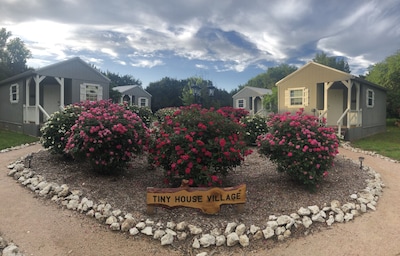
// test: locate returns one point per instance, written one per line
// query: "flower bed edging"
(277, 227)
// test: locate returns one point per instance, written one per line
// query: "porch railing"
(355, 117)
(30, 113)
(340, 123)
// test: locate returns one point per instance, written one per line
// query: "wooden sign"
(207, 200)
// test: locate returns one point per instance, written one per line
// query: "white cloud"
(147, 63)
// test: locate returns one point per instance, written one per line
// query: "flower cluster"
(233, 113)
(198, 145)
(108, 135)
(300, 146)
(55, 129)
(163, 112)
(144, 113)
(255, 126)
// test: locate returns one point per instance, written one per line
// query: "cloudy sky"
(225, 41)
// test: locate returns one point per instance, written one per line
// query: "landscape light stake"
(361, 161)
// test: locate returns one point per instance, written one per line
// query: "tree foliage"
(387, 74)
(169, 92)
(13, 55)
(332, 61)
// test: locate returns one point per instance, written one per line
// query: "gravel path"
(40, 227)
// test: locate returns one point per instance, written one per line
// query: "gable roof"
(257, 90)
(310, 64)
(329, 69)
(125, 88)
(48, 69)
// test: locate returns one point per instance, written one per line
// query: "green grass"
(10, 139)
(386, 144)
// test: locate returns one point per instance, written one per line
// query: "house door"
(51, 98)
(335, 106)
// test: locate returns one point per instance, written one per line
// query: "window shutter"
(287, 98)
(305, 97)
(83, 92)
(99, 92)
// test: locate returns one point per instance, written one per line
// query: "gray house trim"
(43, 91)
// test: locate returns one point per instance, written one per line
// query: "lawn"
(10, 139)
(386, 144)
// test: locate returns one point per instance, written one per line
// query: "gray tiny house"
(134, 95)
(28, 99)
(251, 99)
(353, 106)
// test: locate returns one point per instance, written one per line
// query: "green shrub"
(108, 135)
(54, 130)
(254, 126)
(144, 113)
(198, 145)
(300, 147)
(163, 112)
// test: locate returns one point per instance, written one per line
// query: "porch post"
(60, 80)
(348, 84)
(37, 79)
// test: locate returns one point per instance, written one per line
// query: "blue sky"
(225, 41)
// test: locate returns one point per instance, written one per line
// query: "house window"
(91, 92)
(14, 93)
(143, 102)
(296, 97)
(370, 98)
(241, 103)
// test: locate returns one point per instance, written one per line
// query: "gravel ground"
(268, 192)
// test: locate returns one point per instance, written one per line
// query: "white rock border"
(278, 227)
(9, 249)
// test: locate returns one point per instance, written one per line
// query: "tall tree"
(166, 93)
(13, 55)
(387, 74)
(333, 61)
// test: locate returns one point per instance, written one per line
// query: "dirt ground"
(40, 227)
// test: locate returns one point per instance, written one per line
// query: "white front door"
(51, 98)
(335, 106)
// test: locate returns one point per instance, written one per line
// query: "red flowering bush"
(108, 135)
(233, 113)
(198, 145)
(300, 146)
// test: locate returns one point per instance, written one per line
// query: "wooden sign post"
(208, 200)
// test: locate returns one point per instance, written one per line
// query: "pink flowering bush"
(198, 145)
(300, 147)
(108, 135)
(233, 113)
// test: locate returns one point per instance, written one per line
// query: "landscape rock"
(306, 221)
(232, 239)
(268, 232)
(229, 227)
(207, 240)
(147, 231)
(167, 239)
(244, 240)
(304, 211)
(240, 229)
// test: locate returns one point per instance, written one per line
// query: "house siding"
(373, 117)
(11, 117)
